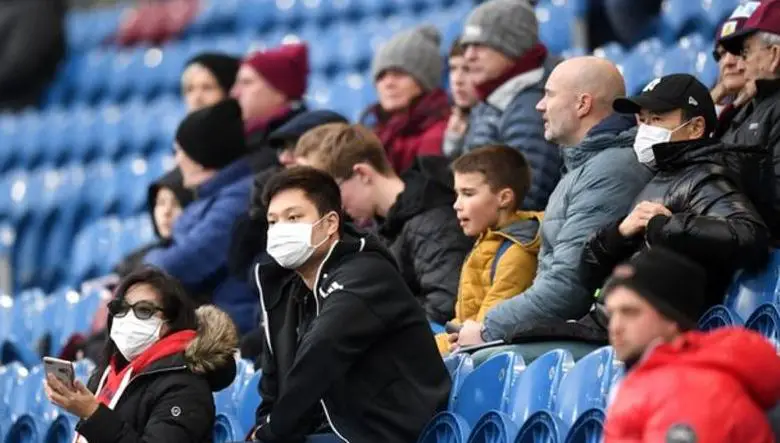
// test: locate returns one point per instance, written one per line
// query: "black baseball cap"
(674, 91)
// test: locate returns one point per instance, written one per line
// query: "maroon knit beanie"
(286, 68)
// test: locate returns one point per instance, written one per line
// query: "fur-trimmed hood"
(212, 352)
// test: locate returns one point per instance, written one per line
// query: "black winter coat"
(713, 222)
(423, 234)
(758, 124)
(171, 400)
(360, 351)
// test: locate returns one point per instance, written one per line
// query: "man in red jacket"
(683, 386)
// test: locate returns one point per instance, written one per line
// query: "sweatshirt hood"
(212, 352)
(428, 186)
(173, 181)
(744, 355)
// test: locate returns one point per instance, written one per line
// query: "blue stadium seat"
(612, 51)
(27, 329)
(92, 78)
(136, 232)
(133, 177)
(753, 289)
(255, 15)
(766, 320)
(250, 401)
(494, 427)
(460, 366)
(102, 199)
(719, 316)
(706, 68)
(716, 11)
(638, 65)
(555, 22)
(679, 17)
(489, 387)
(227, 426)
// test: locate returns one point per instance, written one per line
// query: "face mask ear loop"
(324, 239)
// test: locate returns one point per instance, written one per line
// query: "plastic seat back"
(766, 321)
(753, 289)
(534, 389)
(488, 387)
(719, 316)
(460, 366)
(586, 386)
(249, 401)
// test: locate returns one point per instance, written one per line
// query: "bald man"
(602, 178)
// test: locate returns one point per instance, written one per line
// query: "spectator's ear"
(506, 199)
(698, 128)
(364, 172)
(584, 104)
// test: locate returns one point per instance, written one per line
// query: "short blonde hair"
(337, 147)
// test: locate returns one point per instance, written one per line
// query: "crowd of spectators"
(539, 207)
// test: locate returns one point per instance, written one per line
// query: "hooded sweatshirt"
(425, 238)
(704, 388)
(173, 181)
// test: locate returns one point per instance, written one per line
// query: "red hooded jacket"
(714, 386)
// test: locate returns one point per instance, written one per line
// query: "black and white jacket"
(360, 352)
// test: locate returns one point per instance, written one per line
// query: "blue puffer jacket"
(201, 235)
(509, 116)
(602, 181)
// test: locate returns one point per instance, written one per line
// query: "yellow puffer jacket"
(515, 271)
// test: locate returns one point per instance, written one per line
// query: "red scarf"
(426, 110)
(261, 123)
(530, 60)
(169, 345)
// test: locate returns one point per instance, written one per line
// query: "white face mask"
(648, 136)
(133, 336)
(290, 243)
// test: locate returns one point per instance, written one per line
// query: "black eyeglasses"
(143, 310)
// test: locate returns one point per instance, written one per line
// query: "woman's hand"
(77, 400)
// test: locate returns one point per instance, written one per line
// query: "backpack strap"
(505, 244)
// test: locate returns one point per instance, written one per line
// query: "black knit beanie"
(673, 284)
(213, 136)
(222, 66)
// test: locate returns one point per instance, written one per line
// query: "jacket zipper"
(266, 327)
(317, 311)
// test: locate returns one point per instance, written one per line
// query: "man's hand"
(637, 220)
(470, 334)
(458, 123)
(718, 93)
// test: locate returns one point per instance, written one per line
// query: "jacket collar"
(226, 176)
(504, 94)
(613, 131)
(767, 88)
(676, 155)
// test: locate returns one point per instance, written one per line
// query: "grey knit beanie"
(415, 52)
(508, 26)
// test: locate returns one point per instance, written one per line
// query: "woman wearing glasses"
(162, 361)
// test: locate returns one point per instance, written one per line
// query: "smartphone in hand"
(62, 369)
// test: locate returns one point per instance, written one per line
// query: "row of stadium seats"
(148, 71)
(34, 323)
(92, 250)
(26, 415)
(100, 187)
(81, 134)
(550, 400)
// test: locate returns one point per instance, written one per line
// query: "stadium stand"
(68, 211)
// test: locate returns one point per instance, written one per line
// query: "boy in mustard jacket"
(491, 183)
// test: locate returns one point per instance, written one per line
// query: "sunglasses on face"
(143, 310)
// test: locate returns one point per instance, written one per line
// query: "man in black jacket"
(694, 205)
(758, 121)
(414, 212)
(343, 332)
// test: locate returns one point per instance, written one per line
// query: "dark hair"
(177, 307)
(318, 186)
(457, 49)
(502, 166)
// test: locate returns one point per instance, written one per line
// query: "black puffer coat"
(171, 399)
(758, 124)
(423, 234)
(713, 221)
